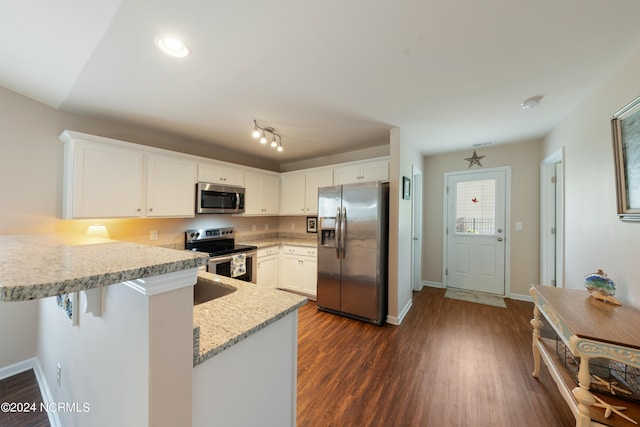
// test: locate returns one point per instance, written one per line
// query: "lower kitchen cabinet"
(268, 267)
(299, 269)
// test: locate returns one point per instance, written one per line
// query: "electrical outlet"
(58, 374)
(153, 235)
(519, 226)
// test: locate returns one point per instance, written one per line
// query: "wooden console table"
(589, 328)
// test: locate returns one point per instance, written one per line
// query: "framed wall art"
(312, 224)
(406, 188)
(625, 129)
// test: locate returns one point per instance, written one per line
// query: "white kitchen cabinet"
(262, 193)
(220, 174)
(101, 181)
(268, 266)
(299, 191)
(170, 186)
(299, 269)
(292, 194)
(106, 178)
(361, 172)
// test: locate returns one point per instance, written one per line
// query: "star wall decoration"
(474, 160)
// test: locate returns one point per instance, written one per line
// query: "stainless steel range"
(220, 244)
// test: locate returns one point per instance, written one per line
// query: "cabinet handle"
(138, 210)
(150, 209)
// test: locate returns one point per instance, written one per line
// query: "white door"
(476, 212)
(416, 230)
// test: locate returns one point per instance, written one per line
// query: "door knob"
(499, 239)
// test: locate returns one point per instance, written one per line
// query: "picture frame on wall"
(625, 129)
(312, 224)
(406, 188)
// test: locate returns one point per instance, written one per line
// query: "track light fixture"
(276, 139)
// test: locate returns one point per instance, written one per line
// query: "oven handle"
(237, 202)
(228, 258)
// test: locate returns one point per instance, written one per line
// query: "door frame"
(416, 227)
(507, 222)
(551, 204)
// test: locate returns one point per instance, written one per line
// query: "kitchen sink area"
(209, 289)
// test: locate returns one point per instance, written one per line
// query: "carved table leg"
(583, 395)
(537, 325)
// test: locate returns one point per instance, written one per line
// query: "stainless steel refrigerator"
(352, 250)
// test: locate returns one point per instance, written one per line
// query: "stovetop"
(215, 241)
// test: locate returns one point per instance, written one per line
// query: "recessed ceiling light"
(532, 102)
(172, 46)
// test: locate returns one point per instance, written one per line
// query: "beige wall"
(524, 159)
(594, 236)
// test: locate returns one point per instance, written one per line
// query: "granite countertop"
(225, 321)
(277, 241)
(44, 265)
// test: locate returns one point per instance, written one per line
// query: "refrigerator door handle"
(337, 232)
(343, 231)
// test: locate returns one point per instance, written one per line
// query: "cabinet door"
(310, 275)
(346, 175)
(375, 171)
(252, 197)
(218, 174)
(268, 271)
(106, 182)
(290, 271)
(270, 192)
(233, 176)
(292, 189)
(170, 186)
(315, 180)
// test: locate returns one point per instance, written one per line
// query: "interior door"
(476, 231)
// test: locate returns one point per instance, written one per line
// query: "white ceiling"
(331, 76)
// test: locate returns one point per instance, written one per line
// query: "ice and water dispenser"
(328, 232)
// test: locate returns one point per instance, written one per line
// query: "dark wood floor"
(450, 363)
(22, 393)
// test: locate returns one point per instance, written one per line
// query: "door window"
(476, 207)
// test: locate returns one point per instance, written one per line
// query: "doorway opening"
(552, 220)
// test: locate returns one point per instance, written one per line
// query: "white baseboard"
(434, 284)
(521, 297)
(16, 368)
(398, 320)
(47, 397)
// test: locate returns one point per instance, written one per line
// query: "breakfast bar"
(133, 348)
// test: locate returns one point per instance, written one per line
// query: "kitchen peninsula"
(128, 356)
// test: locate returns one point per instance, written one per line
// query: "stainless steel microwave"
(219, 199)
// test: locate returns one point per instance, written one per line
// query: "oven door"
(222, 265)
(212, 198)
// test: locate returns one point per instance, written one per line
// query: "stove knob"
(197, 235)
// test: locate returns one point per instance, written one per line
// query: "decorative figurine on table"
(601, 287)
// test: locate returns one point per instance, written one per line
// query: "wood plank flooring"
(20, 389)
(450, 363)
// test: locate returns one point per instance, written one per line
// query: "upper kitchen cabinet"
(216, 173)
(105, 178)
(170, 186)
(262, 193)
(299, 191)
(377, 170)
